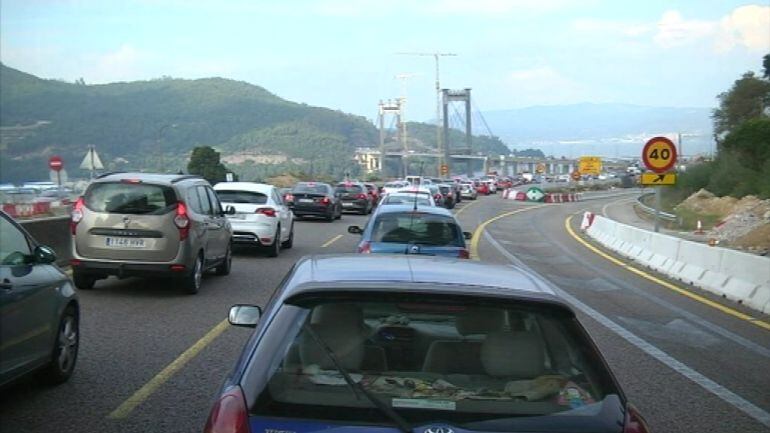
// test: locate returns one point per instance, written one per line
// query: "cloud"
(747, 26)
(675, 31)
(119, 65)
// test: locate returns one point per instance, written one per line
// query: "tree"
(204, 162)
(745, 100)
(750, 141)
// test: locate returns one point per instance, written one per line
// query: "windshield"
(130, 198)
(306, 188)
(430, 360)
(243, 197)
(417, 228)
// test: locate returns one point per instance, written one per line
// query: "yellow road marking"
(150, 387)
(477, 233)
(331, 241)
(459, 211)
(666, 284)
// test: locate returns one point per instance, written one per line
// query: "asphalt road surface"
(152, 358)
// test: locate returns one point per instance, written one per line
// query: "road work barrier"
(53, 232)
(735, 275)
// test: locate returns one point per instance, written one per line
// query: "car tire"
(65, 351)
(274, 249)
(289, 242)
(191, 283)
(83, 282)
(224, 267)
(330, 216)
(339, 214)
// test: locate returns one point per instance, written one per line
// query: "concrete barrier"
(53, 232)
(738, 276)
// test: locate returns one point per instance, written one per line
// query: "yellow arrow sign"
(658, 179)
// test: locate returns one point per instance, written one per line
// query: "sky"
(344, 54)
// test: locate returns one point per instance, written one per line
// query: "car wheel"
(65, 350)
(275, 248)
(330, 216)
(191, 283)
(339, 214)
(83, 282)
(289, 242)
(224, 267)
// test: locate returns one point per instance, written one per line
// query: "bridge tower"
(448, 97)
(393, 108)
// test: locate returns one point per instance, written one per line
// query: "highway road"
(153, 358)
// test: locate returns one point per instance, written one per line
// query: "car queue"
(404, 336)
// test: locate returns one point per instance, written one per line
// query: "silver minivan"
(139, 224)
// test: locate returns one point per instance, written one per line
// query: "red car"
(481, 187)
(374, 193)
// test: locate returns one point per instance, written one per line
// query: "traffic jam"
(402, 334)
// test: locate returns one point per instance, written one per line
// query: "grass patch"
(689, 219)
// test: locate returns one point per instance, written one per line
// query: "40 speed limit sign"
(659, 154)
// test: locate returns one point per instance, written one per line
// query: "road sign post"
(55, 163)
(659, 155)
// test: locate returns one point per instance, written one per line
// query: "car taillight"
(365, 248)
(266, 211)
(464, 254)
(634, 421)
(325, 201)
(437, 196)
(77, 214)
(361, 196)
(288, 197)
(182, 220)
(229, 414)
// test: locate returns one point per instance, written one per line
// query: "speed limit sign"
(659, 154)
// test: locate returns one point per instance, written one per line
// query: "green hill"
(132, 124)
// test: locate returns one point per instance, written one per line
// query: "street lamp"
(160, 148)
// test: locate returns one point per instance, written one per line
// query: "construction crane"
(435, 56)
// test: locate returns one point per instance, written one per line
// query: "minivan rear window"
(130, 198)
(245, 197)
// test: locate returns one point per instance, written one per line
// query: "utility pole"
(435, 56)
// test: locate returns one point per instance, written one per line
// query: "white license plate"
(124, 242)
(345, 204)
(305, 200)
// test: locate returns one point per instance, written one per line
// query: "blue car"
(409, 229)
(386, 344)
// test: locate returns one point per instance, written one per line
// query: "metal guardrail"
(651, 211)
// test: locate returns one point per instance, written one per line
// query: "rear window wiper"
(400, 422)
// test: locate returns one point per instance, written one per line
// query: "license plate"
(305, 200)
(347, 204)
(124, 242)
(237, 216)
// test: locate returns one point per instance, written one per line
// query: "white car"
(467, 190)
(261, 217)
(492, 185)
(391, 187)
(403, 197)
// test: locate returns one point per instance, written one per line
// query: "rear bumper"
(253, 233)
(127, 269)
(312, 210)
(358, 205)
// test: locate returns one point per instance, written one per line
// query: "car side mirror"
(230, 210)
(356, 230)
(44, 254)
(244, 315)
(467, 235)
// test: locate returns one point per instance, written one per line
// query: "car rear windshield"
(244, 197)
(417, 228)
(479, 367)
(306, 188)
(349, 189)
(407, 199)
(130, 198)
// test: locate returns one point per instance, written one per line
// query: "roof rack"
(185, 177)
(109, 173)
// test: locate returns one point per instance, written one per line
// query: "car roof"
(361, 272)
(157, 178)
(409, 208)
(243, 186)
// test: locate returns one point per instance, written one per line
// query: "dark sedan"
(355, 197)
(39, 310)
(315, 199)
(417, 344)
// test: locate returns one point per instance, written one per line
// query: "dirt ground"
(745, 222)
